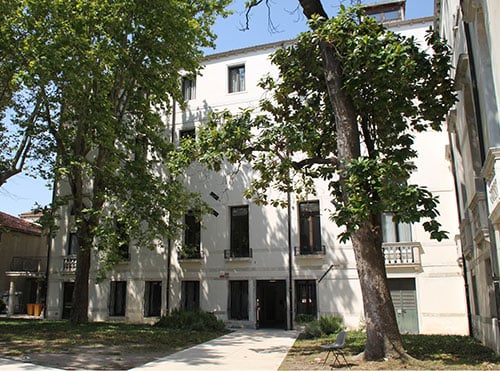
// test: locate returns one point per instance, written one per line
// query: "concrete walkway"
(240, 350)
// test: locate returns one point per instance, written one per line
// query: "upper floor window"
(236, 78)
(73, 244)
(310, 227)
(395, 232)
(123, 240)
(386, 12)
(192, 236)
(188, 88)
(240, 243)
(187, 133)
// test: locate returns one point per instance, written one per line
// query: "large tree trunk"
(383, 337)
(80, 308)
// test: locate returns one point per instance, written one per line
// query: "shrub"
(304, 318)
(191, 320)
(312, 330)
(330, 325)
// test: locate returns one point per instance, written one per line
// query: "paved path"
(241, 350)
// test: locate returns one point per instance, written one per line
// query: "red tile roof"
(18, 224)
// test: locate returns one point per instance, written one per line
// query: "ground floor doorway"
(404, 298)
(271, 304)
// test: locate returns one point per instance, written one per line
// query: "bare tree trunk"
(383, 337)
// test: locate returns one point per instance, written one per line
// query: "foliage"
(330, 325)
(304, 318)
(312, 330)
(397, 89)
(191, 320)
(325, 326)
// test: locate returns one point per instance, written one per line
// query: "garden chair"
(337, 349)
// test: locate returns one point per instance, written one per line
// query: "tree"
(102, 74)
(348, 101)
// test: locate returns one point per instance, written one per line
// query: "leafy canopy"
(397, 90)
(101, 74)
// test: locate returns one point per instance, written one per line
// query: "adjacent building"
(471, 29)
(241, 263)
(23, 263)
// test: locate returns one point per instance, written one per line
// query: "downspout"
(49, 248)
(462, 257)
(290, 259)
(169, 241)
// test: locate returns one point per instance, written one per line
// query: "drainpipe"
(169, 241)
(290, 259)
(49, 248)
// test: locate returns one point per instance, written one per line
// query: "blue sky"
(22, 192)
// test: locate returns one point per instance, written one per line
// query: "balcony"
(238, 254)
(27, 266)
(402, 254)
(69, 264)
(190, 254)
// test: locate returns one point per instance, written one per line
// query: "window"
(192, 236)
(152, 299)
(123, 240)
(117, 298)
(187, 133)
(191, 295)
(73, 244)
(236, 78)
(395, 232)
(310, 227)
(305, 297)
(188, 88)
(240, 244)
(386, 12)
(238, 301)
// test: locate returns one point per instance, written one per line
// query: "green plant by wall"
(330, 325)
(191, 320)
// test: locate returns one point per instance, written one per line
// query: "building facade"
(261, 266)
(471, 29)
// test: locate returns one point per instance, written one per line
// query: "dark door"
(271, 298)
(67, 299)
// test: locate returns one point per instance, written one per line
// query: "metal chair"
(337, 350)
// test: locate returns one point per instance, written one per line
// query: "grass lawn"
(103, 345)
(432, 352)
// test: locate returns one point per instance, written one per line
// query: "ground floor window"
(191, 295)
(117, 298)
(238, 300)
(305, 298)
(152, 299)
(67, 299)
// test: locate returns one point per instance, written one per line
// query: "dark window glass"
(187, 133)
(305, 297)
(240, 244)
(73, 244)
(238, 301)
(191, 295)
(236, 78)
(192, 236)
(310, 227)
(188, 88)
(152, 299)
(117, 298)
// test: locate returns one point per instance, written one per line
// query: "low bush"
(304, 318)
(330, 325)
(312, 330)
(191, 320)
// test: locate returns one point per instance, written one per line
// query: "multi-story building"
(471, 29)
(264, 266)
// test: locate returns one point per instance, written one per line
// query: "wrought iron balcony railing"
(28, 264)
(230, 254)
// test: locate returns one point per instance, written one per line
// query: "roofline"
(283, 43)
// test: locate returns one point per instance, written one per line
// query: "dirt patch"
(90, 358)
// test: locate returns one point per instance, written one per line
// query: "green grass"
(18, 337)
(432, 352)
